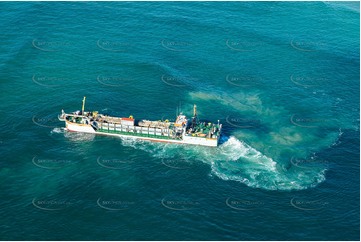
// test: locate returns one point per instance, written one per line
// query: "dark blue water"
(283, 78)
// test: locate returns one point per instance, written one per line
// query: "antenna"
(194, 110)
(194, 118)
(82, 109)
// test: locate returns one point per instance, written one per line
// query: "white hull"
(200, 141)
(83, 128)
(79, 128)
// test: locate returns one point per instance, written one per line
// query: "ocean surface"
(282, 78)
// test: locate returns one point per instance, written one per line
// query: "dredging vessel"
(182, 131)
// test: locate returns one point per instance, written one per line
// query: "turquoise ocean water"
(283, 78)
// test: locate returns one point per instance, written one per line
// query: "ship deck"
(136, 134)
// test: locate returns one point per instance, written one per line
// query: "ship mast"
(82, 109)
(194, 118)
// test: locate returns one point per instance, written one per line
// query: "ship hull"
(83, 128)
(179, 132)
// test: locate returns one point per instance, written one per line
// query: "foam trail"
(57, 130)
(237, 161)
